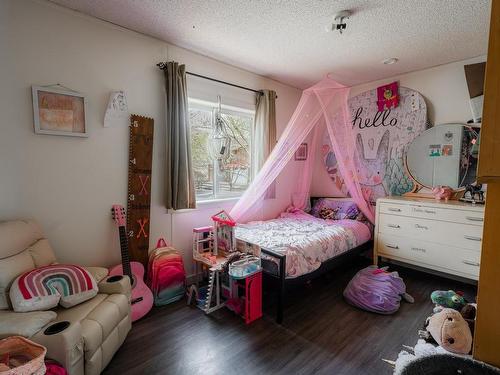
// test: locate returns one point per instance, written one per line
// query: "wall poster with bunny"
(381, 142)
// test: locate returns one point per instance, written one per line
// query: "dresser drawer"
(447, 214)
(430, 255)
(447, 233)
(394, 208)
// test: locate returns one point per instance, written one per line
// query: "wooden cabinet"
(487, 332)
(489, 151)
(435, 235)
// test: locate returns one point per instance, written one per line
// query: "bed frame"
(275, 268)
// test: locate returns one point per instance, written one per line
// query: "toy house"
(223, 234)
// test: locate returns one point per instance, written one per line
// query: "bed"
(297, 246)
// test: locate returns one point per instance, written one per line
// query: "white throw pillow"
(45, 287)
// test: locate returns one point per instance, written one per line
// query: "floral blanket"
(307, 241)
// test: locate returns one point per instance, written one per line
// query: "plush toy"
(448, 299)
(468, 312)
(442, 192)
(446, 333)
(449, 329)
(328, 213)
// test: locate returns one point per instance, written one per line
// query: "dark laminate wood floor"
(321, 334)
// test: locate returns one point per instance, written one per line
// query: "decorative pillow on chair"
(45, 287)
(336, 209)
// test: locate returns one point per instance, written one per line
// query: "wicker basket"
(445, 364)
(31, 356)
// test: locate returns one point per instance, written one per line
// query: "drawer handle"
(418, 226)
(470, 263)
(393, 226)
(419, 249)
(392, 209)
(426, 211)
(392, 246)
(472, 238)
(474, 218)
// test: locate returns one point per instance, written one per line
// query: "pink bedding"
(306, 240)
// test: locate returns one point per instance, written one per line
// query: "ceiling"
(286, 40)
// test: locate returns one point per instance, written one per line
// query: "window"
(214, 179)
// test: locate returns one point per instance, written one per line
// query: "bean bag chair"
(376, 290)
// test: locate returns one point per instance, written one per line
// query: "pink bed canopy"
(324, 104)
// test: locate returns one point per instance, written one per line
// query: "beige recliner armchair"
(83, 338)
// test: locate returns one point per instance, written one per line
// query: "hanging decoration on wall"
(382, 138)
(117, 113)
(219, 142)
(59, 110)
(387, 96)
(301, 153)
(139, 187)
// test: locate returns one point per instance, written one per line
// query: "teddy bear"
(447, 328)
(450, 331)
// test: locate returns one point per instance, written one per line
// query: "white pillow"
(24, 324)
(45, 287)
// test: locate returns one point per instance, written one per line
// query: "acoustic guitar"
(142, 298)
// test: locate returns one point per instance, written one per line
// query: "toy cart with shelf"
(246, 289)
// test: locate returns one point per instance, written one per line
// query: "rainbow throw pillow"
(45, 287)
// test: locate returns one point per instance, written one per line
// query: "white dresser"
(441, 236)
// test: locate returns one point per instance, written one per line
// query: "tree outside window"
(215, 179)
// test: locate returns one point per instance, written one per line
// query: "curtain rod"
(162, 66)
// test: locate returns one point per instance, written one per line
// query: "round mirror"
(444, 155)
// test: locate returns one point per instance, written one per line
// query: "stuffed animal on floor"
(468, 312)
(442, 336)
(448, 299)
(450, 330)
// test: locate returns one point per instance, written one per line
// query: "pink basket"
(28, 354)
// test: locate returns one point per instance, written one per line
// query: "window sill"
(202, 205)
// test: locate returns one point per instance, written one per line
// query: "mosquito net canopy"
(324, 104)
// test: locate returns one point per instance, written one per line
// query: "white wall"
(68, 184)
(445, 91)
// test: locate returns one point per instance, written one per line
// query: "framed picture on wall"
(59, 111)
(301, 153)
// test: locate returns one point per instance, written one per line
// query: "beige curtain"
(264, 137)
(179, 184)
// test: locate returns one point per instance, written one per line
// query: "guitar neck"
(124, 250)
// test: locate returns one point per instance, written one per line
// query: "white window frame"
(204, 105)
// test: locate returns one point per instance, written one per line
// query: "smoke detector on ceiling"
(339, 21)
